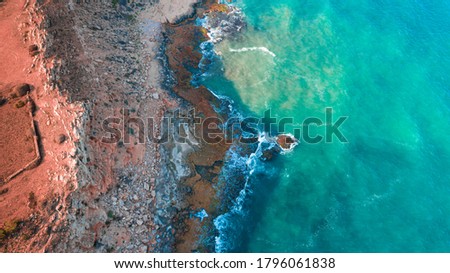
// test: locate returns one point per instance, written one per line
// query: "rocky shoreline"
(205, 161)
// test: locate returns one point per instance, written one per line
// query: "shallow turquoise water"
(385, 65)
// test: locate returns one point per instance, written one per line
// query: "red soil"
(31, 199)
(16, 138)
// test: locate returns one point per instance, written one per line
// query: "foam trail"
(224, 241)
(255, 48)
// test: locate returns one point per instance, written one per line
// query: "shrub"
(22, 89)
(20, 104)
(4, 191)
(9, 227)
(32, 202)
(2, 99)
(111, 214)
(33, 50)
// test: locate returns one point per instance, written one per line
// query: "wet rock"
(209, 173)
(19, 104)
(286, 142)
(270, 153)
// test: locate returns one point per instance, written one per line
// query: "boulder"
(286, 142)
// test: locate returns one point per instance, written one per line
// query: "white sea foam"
(255, 48)
(223, 222)
(250, 163)
(201, 215)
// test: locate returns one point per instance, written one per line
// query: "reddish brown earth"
(33, 202)
(16, 138)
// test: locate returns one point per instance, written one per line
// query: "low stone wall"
(35, 162)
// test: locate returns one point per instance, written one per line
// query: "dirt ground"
(88, 62)
(16, 138)
(35, 197)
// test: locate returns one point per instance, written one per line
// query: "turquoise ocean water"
(385, 65)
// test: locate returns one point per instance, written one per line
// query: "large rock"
(286, 142)
(33, 50)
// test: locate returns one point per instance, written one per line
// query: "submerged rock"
(271, 152)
